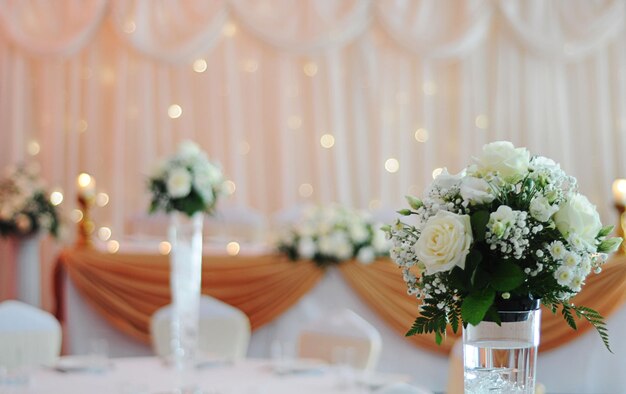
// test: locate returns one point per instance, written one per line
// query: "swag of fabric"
(126, 289)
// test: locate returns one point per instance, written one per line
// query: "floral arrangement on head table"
(508, 227)
(186, 182)
(25, 208)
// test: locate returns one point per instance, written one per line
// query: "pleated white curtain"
(355, 101)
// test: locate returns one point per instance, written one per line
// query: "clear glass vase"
(501, 359)
(185, 235)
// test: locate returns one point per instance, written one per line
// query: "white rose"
(178, 182)
(380, 242)
(578, 216)
(188, 149)
(446, 181)
(476, 190)
(503, 157)
(306, 248)
(541, 209)
(500, 220)
(366, 255)
(444, 242)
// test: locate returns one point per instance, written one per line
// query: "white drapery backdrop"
(309, 101)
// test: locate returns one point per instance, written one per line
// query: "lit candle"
(619, 191)
(86, 186)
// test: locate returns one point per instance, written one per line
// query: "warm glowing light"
(33, 148)
(165, 247)
(430, 88)
(327, 141)
(102, 199)
(82, 125)
(244, 148)
(373, 205)
(113, 246)
(437, 172)
(86, 185)
(482, 122)
(84, 179)
(76, 215)
(305, 190)
(174, 111)
(294, 122)
(250, 66)
(56, 198)
(392, 165)
(229, 29)
(129, 27)
(421, 135)
(230, 187)
(233, 248)
(619, 191)
(310, 69)
(104, 233)
(199, 66)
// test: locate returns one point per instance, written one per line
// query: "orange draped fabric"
(128, 288)
(382, 287)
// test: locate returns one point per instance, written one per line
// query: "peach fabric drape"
(127, 288)
(382, 287)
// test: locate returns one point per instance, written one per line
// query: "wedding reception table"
(149, 375)
(378, 296)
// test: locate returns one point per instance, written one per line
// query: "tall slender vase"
(185, 234)
(502, 358)
(26, 258)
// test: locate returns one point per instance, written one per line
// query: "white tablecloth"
(583, 366)
(149, 375)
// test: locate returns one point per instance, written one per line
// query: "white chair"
(341, 330)
(402, 388)
(28, 336)
(224, 330)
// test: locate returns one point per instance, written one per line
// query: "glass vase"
(185, 235)
(501, 359)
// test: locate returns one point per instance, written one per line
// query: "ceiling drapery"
(309, 101)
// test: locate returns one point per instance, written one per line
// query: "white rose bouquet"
(187, 182)
(331, 234)
(24, 205)
(509, 228)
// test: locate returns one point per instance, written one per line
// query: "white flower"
(445, 181)
(563, 275)
(444, 242)
(366, 255)
(502, 219)
(504, 158)
(578, 216)
(178, 182)
(576, 283)
(359, 232)
(557, 250)
(541, 210)
(380, 242)
(571, 260)
(476, 190)
(306, 248)
(188, 149)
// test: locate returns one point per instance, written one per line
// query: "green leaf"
(479, 222)
(414, 202)
(473, 259)
(493, 315)
(606, 231)
(438, 337)
(476, 305)
(480, 278)
(506, 276)
(405, 212)
(609, 245)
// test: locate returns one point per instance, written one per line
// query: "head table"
(150, 375)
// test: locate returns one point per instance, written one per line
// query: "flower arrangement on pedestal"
(331, 234)
(186, 182)
(508, 227)
(25, 208)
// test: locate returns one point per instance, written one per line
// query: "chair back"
(224, 330)
(28, 336)
(341, 331)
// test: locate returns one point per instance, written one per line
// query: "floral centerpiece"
(186, 185)
(508, 227)
(25, 208)
(186, 182)
(331, 234)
